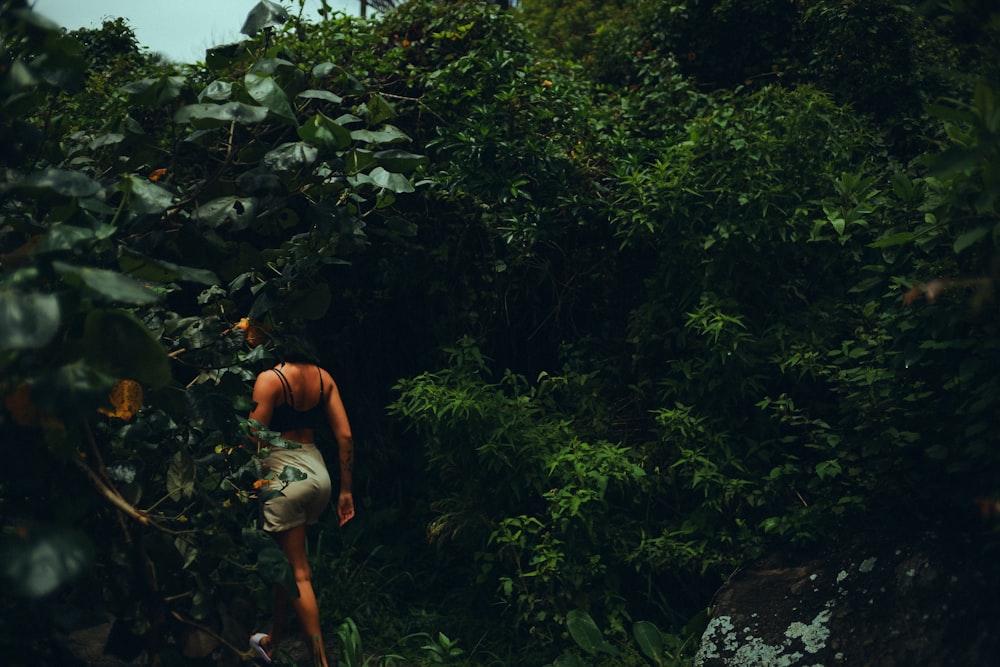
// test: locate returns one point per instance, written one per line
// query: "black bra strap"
(320, 370)
(289, 396)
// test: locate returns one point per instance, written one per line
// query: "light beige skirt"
(302, 501)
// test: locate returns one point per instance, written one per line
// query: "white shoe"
(258, 650)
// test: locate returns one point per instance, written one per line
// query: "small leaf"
(238, 211)
(265, 14)
(62, 182)
(38, 559)
(379, 110)
(110, 284)
(118, 342)
(321, 95)
(155, 92)
(162, 271)
(893, 240)
(650, 640)
(108, 139)
(218, 114)
(399, 160)
(828, 469)
(324, 133)
(388, 134)
(180, 476)
(27, 320)
(219, 91)
(970, 238)
(145, 197)
(358, 160)
(291, 156)
(586, 633)
(268, 93)
(390, 181)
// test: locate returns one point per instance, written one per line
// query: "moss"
(722, 641)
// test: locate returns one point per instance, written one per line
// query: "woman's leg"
(293, 543)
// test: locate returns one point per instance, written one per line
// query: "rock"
(883, 601)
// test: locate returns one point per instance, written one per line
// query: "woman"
(295, 398)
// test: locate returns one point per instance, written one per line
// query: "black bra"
(286, 418)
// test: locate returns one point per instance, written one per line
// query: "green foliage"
(544, 533)
(701, 312)
(654, 645)
(129, 250)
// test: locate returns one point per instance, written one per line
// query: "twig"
(210, 632)
(110, 494)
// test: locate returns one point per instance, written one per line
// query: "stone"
(885, 600)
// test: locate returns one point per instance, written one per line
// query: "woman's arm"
(341, 427)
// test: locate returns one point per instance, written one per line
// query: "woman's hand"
(345, 507)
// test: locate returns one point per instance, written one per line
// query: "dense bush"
(608, 322)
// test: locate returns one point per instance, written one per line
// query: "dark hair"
(292, 345)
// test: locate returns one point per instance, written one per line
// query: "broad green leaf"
(323, 70)
(238, 112)
(400, 160)
(970, 238)
(180, 476)
(387, 134)
(62, 182)
(218, 90)
(324, 133)
(291, 156)
(28, 320)
(38, 559)
(265, 14)
(586, 633)
(379, 110)
(155, 92)
(146, 197)
(348, 119)
(324, 95)
(162, 271)
(385, 198)
(893, 240)
(116, 341)
(268, 93)
(358, 160)
(650, 640)
(270, 66)
(187, 551)
(828, 469)
(390, 181)
(110, 284)
(63, 237)
(108, 139)
(902, 186)
(238, 211)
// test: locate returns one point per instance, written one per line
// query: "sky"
(179, 29)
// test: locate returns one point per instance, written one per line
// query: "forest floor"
(87, 647)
